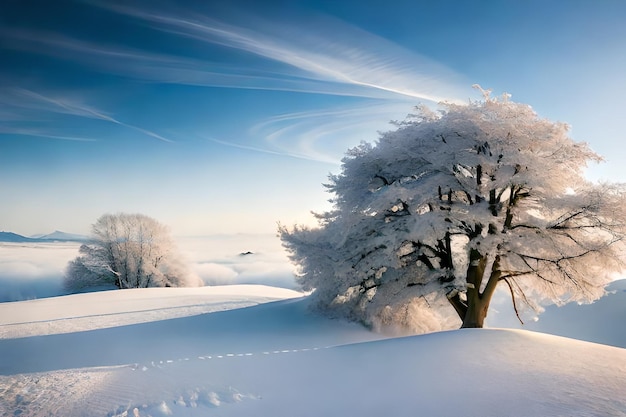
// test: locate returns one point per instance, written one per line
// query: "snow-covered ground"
(98, 310)
(601, 321)
(258, 351)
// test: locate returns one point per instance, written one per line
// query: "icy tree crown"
(448, 206)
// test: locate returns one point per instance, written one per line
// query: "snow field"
(95, 310)
(278, 359)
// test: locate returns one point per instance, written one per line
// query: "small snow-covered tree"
(440, 212)
(128, 251)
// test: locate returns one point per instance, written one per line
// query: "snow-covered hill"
(600, 322)
(147, 352)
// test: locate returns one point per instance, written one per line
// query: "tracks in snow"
(166, 362)
(155, 388)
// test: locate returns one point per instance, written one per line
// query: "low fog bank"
(239, 259)
(36, 270)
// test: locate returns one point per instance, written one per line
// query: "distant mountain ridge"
(14, 237)
(56, 236)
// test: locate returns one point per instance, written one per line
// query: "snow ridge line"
(162, 363)
(228, 305)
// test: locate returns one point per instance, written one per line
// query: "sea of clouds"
(239, 259)
(36, 270)
(33, 270)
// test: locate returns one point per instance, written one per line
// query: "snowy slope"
(97, 310)
(600, 322)
(277, 359)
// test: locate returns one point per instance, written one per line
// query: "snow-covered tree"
(128, 251)
(440, 212)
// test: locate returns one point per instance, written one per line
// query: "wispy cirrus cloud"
(327, 50)
(324, 135)
(175, 69)
(319, 135)
(23, 107)
(41, 133)
(326, 56)
(233, 144)
(323, 56)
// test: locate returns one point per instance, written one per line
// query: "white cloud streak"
(262, 150)
(171, 69)
(41, 134)
(359, 59)
(38, 103)
(325, 56)
(323, 135)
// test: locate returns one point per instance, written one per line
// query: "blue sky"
(226, 117)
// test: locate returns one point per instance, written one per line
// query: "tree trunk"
(476, 312)
(473, 310)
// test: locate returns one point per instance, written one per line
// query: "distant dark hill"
(55, 236)
(62, 236)
(14, 237)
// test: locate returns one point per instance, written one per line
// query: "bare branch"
(513, 300)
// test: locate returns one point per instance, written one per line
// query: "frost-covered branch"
(128, 251)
